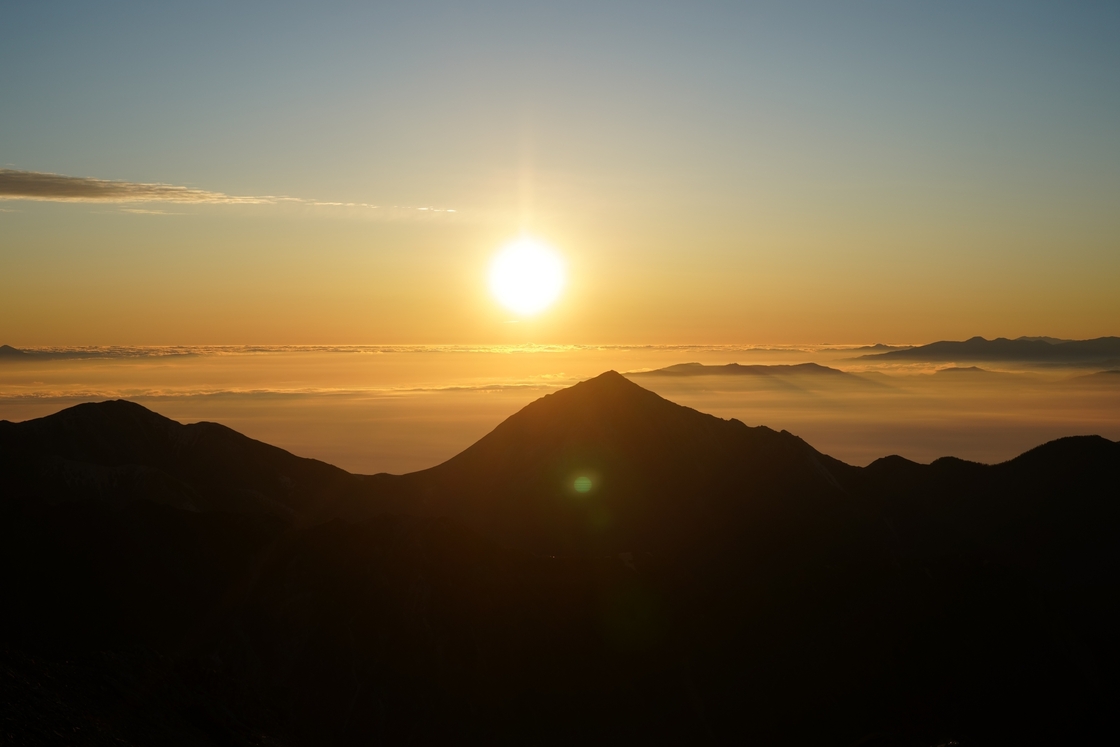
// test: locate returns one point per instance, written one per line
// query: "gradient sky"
(712, 173)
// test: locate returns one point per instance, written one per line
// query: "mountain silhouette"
(976, 373)
(795, 377)
(705, 582)
(119, 451)
(1100, 377)
(736, 369)
(1051, 340)
(879, 346)
(657, 476)
(963, 371)
(1102, 351)
(7, 351)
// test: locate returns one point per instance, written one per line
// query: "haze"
(400, 409)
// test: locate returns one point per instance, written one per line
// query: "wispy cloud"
(34, 185)
(16, 184)
(319, 203)
(143, 211)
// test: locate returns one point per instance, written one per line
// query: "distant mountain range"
(792, 376)
(1102, 351)
(9, 354)
(879, 346)
(7, 351)
(736, 369)
(1100, 376)
(605, 566)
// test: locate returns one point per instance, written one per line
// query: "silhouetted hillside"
(1102, 351)
(1052, 340)
(119, 452)
(713, 583)
(878, 347)
(801, 377)
(7, 351)
(736, 369)
(975, 373)
(657, 476)
(1100, 377)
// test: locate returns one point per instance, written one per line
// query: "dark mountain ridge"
(7, 351)
(1099, 377)
(657, 475)
(714, 583)
(791, 377)
(879, 346)
(1100, 351)
(737, 369)
(120, 451)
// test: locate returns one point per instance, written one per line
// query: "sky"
(710, 173)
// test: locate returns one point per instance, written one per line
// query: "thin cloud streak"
(16, 184)
(34, 185)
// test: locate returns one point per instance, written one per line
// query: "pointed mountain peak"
(608, 383)
(608, 380)
(608, 464)
(609, 392)
(119, 451)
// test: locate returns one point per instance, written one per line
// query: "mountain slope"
(1099, 351)
(790, 377)
(716, 583)
(7, 352)
(1053, 506)
(737, 369)
(120, 451)
(655, 475)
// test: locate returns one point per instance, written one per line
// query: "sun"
(526, 277)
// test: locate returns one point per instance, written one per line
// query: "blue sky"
(682, 155)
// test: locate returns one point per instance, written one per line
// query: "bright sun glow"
(526, 277)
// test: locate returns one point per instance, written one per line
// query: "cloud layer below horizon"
(405, 411)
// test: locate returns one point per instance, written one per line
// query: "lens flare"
(526, 277)
(583, 484)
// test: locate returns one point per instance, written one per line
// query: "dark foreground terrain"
(166, 584)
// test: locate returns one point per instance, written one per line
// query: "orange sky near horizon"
(724, 174)
(247, 274)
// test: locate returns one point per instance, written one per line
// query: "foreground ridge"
(605, 564)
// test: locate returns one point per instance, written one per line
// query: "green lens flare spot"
(583, 484)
